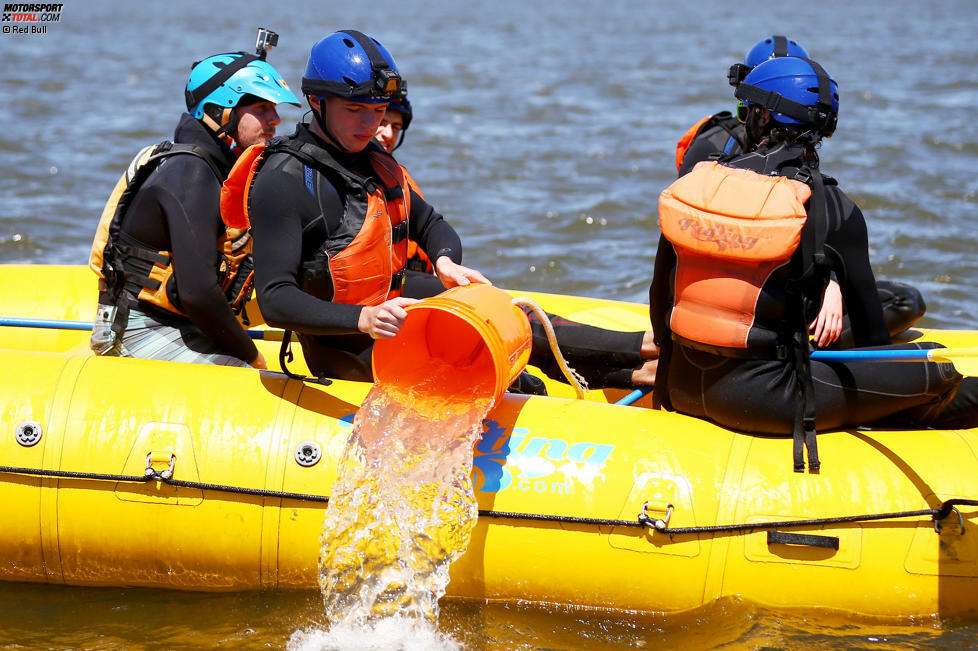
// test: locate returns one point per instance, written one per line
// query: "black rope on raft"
(157, 475)
(642, 521)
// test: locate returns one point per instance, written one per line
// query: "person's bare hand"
(455, 275)
(385, 320)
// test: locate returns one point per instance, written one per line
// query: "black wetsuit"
(760, 394)
(178, 210)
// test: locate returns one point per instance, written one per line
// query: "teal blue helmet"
(225, 79)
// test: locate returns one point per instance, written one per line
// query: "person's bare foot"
(649, 350)
(644, 375)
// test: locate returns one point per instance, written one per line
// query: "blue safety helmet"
(224, 79)
(795, 91)
(354, 66)
(771, 47)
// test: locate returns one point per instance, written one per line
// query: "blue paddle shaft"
(87, 325)
(912, 355)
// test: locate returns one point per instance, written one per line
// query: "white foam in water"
(390, 633)
(401, 510)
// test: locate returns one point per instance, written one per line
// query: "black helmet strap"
(780, 47)
(225, 72)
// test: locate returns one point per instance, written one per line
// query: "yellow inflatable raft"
(123, 472)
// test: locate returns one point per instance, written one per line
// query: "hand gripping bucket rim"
(469, 329)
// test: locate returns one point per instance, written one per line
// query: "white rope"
(573, 378)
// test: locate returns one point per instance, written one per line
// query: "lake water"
(544, 132)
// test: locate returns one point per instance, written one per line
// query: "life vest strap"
(399, 233)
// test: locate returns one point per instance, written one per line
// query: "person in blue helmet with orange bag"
(172, 275)
(747, 247)
(723, 134)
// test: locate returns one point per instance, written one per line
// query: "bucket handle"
(573, 377)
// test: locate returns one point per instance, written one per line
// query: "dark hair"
(795, 135)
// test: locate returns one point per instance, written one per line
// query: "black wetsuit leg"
(902, 304)
(420, 284)
(604, 358)
(962, 411)
(759, 395)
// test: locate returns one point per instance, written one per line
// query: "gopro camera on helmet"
(267, 39)
(387, 83)
(737, 73)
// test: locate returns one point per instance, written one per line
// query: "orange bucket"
(468, 341)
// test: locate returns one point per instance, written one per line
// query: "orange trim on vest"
(234, 191)
(731, 228)
(414, 252)
(683, 145)
(363, 271)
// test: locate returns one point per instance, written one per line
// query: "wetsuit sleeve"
(430, 230)
(848, 244)
(285, 219)
(660, 291)
(188, 194)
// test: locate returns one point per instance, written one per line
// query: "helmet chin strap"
(321, 121)
(229, 123)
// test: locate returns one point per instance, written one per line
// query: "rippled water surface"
(544, 132)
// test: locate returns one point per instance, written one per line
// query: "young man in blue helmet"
(747, 247)
(332, 213)
(172, 275)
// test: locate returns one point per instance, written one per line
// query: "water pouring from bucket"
(403, 507)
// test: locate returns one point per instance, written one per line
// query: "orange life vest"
(417, 259)
(363, 262)
(125, 266)
(731, 229)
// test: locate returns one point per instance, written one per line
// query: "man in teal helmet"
(173, 277)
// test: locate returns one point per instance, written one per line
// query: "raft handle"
(657, 523)
(937, 520)
(152, 472)
(808, 540)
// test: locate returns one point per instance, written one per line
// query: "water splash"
(402, 509)
(396, 632)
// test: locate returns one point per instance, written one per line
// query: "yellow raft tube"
(91, 426)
